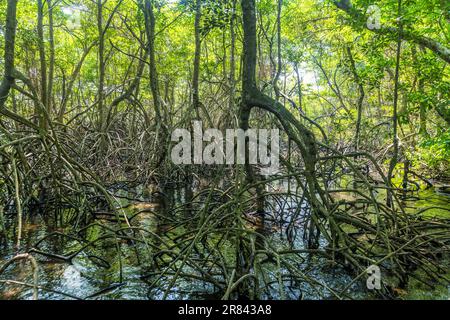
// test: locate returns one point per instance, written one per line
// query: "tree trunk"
(302, 136)
(150, 24)
(101, 65)
(10, 38)
(198, 44)
(43, 65)
(51, 68)
(232, 57)
(279, 65)
(299, 89)
(358, 81)
(422, 109)
(394, 159)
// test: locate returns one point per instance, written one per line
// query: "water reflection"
(126, 269)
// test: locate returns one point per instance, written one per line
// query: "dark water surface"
(99, 272)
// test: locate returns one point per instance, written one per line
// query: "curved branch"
(438, 48)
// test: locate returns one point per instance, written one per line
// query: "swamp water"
(99, 272)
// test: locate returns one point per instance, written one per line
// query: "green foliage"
(436, 152)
